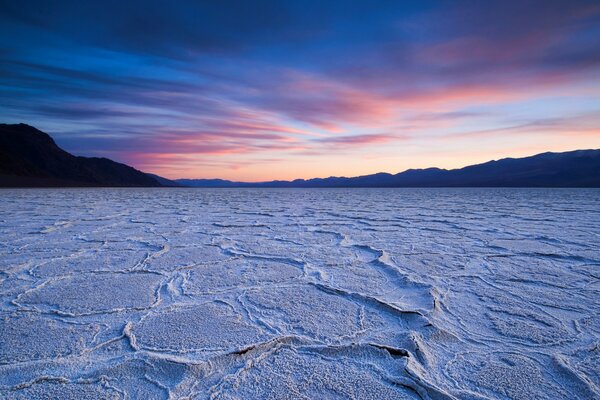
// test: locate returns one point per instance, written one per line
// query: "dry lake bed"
(300, 294)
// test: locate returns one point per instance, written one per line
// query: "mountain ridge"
(577, 168)
(31, 158)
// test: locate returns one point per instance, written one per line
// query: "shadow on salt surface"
(53, 338)
(525, 246)
(307, 311)
(285, 372)
(93, 293)
(378, 280)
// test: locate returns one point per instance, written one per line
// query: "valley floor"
(300, 294)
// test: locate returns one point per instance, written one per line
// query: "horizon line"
(374, 173)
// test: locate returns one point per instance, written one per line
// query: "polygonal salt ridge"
(517, 323)
(524, 246)
(293, 368)
(238, 274)
(177, 257)
(439, 265)
(122, 236)
(308, 311)
(370, 280)
(94, 293)
(503, 374)
(290, 258)
(591, 325)
(150, 245)
(319, 254)
(17, 259)
(11, 285)
(568, 304)
(401, 295)
(197, 328)
(308, 235)
(57, 226)
(559, 272)
(96, 261)
(29, 336)
(529, 327)
(241, 225)
(61, 388)
(524, 322)
(137, 376)
(581, 368)
(39, 246)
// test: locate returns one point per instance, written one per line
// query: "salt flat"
(297, 294)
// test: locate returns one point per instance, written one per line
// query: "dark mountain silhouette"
(164, 181)
(30, 158)
(218, 183)
(580, 168)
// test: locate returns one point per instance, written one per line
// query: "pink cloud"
(359, 140)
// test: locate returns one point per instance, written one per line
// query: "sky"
(262, 90)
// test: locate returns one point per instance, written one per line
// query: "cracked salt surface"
(300, 294)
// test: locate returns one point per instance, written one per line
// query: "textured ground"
(296, 294)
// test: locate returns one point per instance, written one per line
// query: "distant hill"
(164, 181)
(31, 158)
(580, 168)
(219, 183)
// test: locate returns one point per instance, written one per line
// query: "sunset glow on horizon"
(256, 91)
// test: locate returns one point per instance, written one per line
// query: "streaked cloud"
(282, 89)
